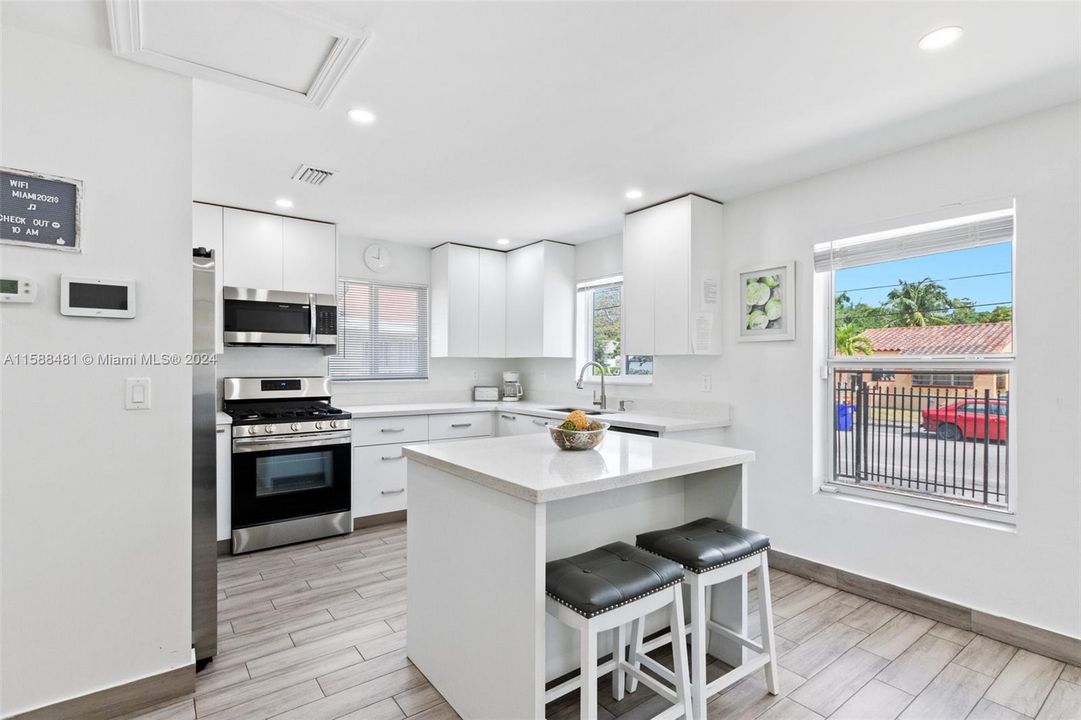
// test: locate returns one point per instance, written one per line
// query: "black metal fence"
(950, 442)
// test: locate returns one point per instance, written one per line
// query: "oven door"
(267, 317)
(290, 477)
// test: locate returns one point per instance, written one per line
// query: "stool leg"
(588, 694)
(698, 648)
(638, 632)
(765, 616)
(619, 678)
(679, 655)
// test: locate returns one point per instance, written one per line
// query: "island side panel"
(722, 494)
(476, 594)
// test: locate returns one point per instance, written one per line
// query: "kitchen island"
(485, 516)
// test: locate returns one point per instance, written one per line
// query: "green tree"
(849, 340)
(919, 303)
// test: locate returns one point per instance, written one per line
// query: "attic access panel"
(273, 48)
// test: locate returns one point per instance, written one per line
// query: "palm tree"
(919, 303)
(849, 340)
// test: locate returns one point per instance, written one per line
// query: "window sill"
(1002, 520)
(620, 380)
(379, 380)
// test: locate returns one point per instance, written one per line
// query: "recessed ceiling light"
(502, 241)
(940, 38)
(362, 116)
(634, 194)
(284, 203)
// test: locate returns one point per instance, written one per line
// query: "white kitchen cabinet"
(671, 278)
(224, 452)
(391, 429)
(455, 426)
(540, 300)
(309, 256)
(252, 249)
(468, 290)
(270, 252)
(519, 424)
(492, 304)
(379, 479)
(206, 232)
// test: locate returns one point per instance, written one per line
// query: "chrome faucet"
(603, 404)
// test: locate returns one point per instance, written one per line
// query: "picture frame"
(766, 303)
(40, 211)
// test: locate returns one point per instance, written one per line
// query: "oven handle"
(245, 445)
(311, 318)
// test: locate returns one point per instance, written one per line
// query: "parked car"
(967, 419)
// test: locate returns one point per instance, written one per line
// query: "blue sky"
(951, 269)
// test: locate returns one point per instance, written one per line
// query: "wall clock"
(377, 258)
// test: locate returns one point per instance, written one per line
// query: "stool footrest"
(733, 635)
(736, 674)
(576, 682)
(651, 682)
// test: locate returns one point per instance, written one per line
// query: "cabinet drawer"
(531, 424)
(379, 474)
(459, 425)
(380, 431)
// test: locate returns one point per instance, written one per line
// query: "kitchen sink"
(571, 409)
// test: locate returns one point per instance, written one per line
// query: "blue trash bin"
(844, 416)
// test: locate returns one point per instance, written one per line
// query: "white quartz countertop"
(630, 419)
(224, 419)
(533, 468)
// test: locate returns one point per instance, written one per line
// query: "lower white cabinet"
(459, 425)
(519, 424)
(379, 473)
(224, 452)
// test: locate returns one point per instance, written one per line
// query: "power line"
(961, 277)
(879, 312)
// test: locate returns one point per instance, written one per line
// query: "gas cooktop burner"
(284, 414)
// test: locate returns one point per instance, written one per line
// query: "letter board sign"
(40, 210)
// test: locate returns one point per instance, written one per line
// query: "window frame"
(998, 362)
(583, 334)
(377, 282)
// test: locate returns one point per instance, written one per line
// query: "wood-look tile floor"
(317, 631)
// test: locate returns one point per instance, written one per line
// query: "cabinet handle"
(392, 457)
(540, 422)
(392, 492)
(221, 431)
(392, 430)
(461, 425)
(505, 417)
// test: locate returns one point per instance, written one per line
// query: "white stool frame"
(701, 625)
(616, 620)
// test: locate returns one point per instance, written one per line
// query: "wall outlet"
(476, 375)
(707, 383)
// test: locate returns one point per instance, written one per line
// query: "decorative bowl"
(576, 439)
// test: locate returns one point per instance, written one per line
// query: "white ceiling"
(530, 120)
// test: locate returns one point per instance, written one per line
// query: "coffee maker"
(512, 387)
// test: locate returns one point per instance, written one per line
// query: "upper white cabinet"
(468, 290)
(540, 300)
(269, 252)
(206, 232)
(672, 278)
(309, 255)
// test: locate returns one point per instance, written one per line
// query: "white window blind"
(382, 331)
(987, 228)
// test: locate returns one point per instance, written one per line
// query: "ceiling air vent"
(312, 175)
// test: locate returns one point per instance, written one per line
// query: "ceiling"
(531, 120)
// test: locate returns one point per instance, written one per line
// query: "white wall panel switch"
(707, 383)
(137, 393)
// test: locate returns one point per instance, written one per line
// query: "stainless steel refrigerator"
(204, 545)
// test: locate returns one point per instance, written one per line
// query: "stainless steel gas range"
(291, 461)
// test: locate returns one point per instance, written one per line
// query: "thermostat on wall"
(94, 297)
(18, 290)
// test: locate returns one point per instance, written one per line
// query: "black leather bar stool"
(605, 589)
(713, 552)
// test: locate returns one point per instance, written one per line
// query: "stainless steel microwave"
(277, 317)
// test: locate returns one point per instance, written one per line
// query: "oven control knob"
(334, 423)
(294, 427)
(269, 428)
(251, 430)
(319, 425)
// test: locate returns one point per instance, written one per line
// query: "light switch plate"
(137, 393)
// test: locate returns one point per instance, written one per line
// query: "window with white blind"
(382, 331)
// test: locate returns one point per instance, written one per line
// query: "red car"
(967, 419)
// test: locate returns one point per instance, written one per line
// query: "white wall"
(1032, 574)
(95, 501)
(450, 379)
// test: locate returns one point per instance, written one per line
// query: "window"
(382, 331)
(921, 330)
(600, 333)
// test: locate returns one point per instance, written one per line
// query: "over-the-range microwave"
(277, 317)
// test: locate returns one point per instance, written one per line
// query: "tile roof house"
(975, 339)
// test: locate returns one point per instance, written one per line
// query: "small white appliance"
(512, 386)
(95, 297)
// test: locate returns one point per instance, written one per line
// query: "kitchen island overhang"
(486, 515)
